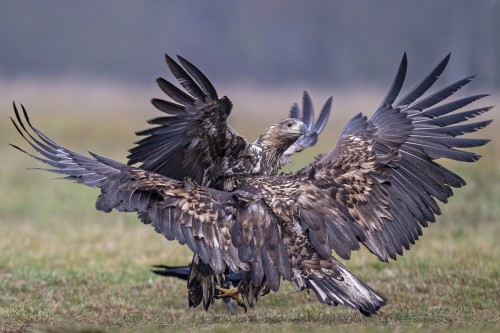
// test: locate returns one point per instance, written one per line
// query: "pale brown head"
(276, 140)
(282, 134)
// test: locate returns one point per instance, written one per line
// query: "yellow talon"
(232, 292)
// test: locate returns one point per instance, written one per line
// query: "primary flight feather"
(203, 185)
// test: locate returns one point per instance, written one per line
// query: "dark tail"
(181, 272)
(339, 286)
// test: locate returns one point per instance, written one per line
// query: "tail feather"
(181, 272)
(342, 287)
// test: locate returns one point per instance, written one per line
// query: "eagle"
(204, 185)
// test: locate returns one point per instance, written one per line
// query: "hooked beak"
(303, 129)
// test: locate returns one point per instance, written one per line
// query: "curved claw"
(232, 292)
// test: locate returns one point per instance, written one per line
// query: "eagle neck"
(271, 157)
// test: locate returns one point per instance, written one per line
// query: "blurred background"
(85, 70)
(319, 43)
(101, 57)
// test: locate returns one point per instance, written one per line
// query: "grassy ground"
(64, 266)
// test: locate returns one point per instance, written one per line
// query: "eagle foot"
(232, 292)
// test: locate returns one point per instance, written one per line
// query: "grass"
(66, 267)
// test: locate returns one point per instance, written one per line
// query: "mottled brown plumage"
(378, 187)
(195, 141)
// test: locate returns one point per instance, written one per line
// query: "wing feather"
(425, 84)
(200, 78)
(195, 140)
(184, 79)
(226, 229)
(397, 84)
(381, 184)
(385, 166)
(175, 93)
(441, 94)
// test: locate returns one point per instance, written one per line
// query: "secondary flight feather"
(203, 185)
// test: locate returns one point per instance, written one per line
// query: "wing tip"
(169, 60)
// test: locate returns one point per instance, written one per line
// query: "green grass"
(66, 267)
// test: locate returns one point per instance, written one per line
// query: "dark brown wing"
(195, 139)
(380, 184)
(383, 176)
(224, 229)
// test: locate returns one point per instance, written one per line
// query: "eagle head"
(282, 134)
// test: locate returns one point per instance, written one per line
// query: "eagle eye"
(289, 124)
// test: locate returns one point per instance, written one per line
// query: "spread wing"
(224, 229)
(196, 135)
(382, 176)
(195, 138)
(380, 185)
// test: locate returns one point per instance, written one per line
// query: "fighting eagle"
(203, 185)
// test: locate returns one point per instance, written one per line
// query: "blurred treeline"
(324, 43)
